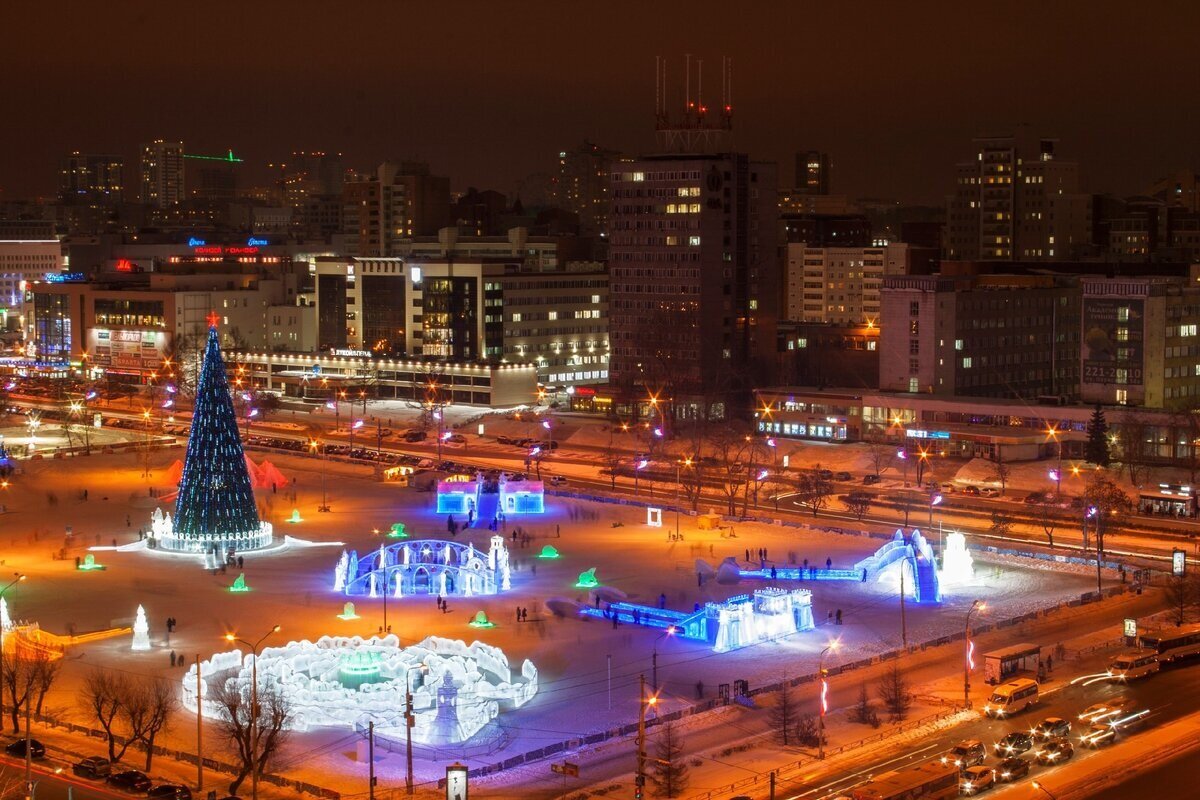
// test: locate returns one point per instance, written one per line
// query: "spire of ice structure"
(215, 511)
(5, 619)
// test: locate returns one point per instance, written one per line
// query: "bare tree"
(234, 716)
(669, 771)
(1001, 524)
(612, 459)
(1106, 505)
(807, 730)
(1131, 435)
(894, 693)
(882, 456)
(104, 694)
(783, 715)
(27, 679)
(814, 490)
(155, 699)
(1045, 511)
(1001, 469)
(1183, 593)
(857, 504)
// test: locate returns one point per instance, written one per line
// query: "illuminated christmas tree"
(215, 510)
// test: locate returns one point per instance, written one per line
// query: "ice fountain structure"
(425, 567)
(958, 568)
(344, 682)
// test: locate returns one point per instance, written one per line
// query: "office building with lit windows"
(161, 174)
(91, 179)
(29, 251)
(694, 277)
(840, 285)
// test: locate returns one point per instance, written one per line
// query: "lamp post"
(355, 425)
(833, 645)
(687, 462)
(1044, 790)
(19, 577)
(1056, 474)
(934, 500)
(313, 445)
(654, 657)
(637, 468)
(968, 659)
(254, 758)
(644, 703)
(774, 445)
(902, 454)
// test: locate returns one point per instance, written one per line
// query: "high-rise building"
(812, 172)
(29, 251)
(840, 285)
(582, 185)
(694, 277)
(399, 201)
(1017, 201)
(161, 174)
(91, 179)
(212, 178)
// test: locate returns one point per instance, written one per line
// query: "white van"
(1012, 697)
(1132, 665)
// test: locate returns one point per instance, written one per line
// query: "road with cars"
(1169, 695)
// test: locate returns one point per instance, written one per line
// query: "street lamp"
(774, 445)
(833, 645)
(409, 721)
(313, 445)
(1044, 790)
(654, 657)
(358, 423)
(969, 660)
(1056, 474)
(687, 462)
(934, 500)
(254, 758)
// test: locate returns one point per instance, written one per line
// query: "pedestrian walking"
(839, 616)
(172, 658)
(829, 563)
(662, 601)
(241, 562)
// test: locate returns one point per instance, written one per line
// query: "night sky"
(489, 92)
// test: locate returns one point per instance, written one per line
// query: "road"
(1171, 694)
(1164, 780)
(49, 786)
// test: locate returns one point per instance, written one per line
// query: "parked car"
(93, 767)
(1012, 768)
(130, 780)
(1013, 744)
(989, 491)
(37, 750)
(1055, 751)
(977, 779)
(844, 476)
(870, 480)
(973, 491)
(825, 474)
(558, 480)
(172, 791)
(1052, 727)
(456, 438)
(1034, 498)
(948, 488)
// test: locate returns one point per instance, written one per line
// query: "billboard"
(127, 350)
(1113, 333)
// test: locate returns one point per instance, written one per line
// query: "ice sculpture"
(141, 631)
(340, 681)
(587, 580)
(425, 566)
(548, 551)
(239, 584)
(958, 567)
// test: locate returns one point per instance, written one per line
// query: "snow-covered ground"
(574, 658)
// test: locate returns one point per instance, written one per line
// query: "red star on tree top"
(213, 318)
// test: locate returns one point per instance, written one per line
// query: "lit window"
(638, 176)
(967, 362)
(694, 241)
(958, 344)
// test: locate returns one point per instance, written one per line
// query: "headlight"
(967, 786)
(1005, 775)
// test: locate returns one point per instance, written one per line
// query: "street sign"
(1131, 627)
(565, 768)
(1178, 562)
(456, 782)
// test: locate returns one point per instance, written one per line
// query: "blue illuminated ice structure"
(766, 615)
(915, 557)
(487, 498)
(425, 567)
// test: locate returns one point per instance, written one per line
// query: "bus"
(1132, 665)
(1172, 644)
(932, 780)
(1009, 698)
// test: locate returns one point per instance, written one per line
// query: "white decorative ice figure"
(5, 619)
(467, 588)
(382, 557)
(141, 631)
(957, 565)
(442, 584)
(373, 592)
(404, 553)
(446, 554)
(400, 585)
(339, 572)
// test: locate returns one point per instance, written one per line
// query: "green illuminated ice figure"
(295, 516)
(397, 531)
(481, 621)
(348, 612)
(587, 580)
(239, 584)
(89, 563)
(548, 551)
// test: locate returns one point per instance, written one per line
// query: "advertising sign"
(456, 782)
(1113, 333)
(1178, 562)
(126, 349)
(1130, 627)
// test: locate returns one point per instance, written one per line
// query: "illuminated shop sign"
(65, 277)
(913, 433)
(202, 248)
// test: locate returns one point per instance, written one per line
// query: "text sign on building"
(914, 433)
(125, 349)
(1130, 627)
(1178, 562)
(1113, 331)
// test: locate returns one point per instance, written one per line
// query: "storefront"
(1171, 500)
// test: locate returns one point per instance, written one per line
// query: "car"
(825, 474)
(870, 480)
(971, 490)
(1098, 735)
(969, 753)
(456, 438)
(844, 476)
(1099, 712)
(1130, 722)
(558, 480)
(948, 488)
(988, 491)
(1013, 744)
(504, 440)
(130, 780)
(1034, 498)
(37, 750)
(977, 779)
(172, 791)
(1052, 727)
(1055, 751)
(93, 767)
(1012, 768)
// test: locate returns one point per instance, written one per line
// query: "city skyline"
(893, 101)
